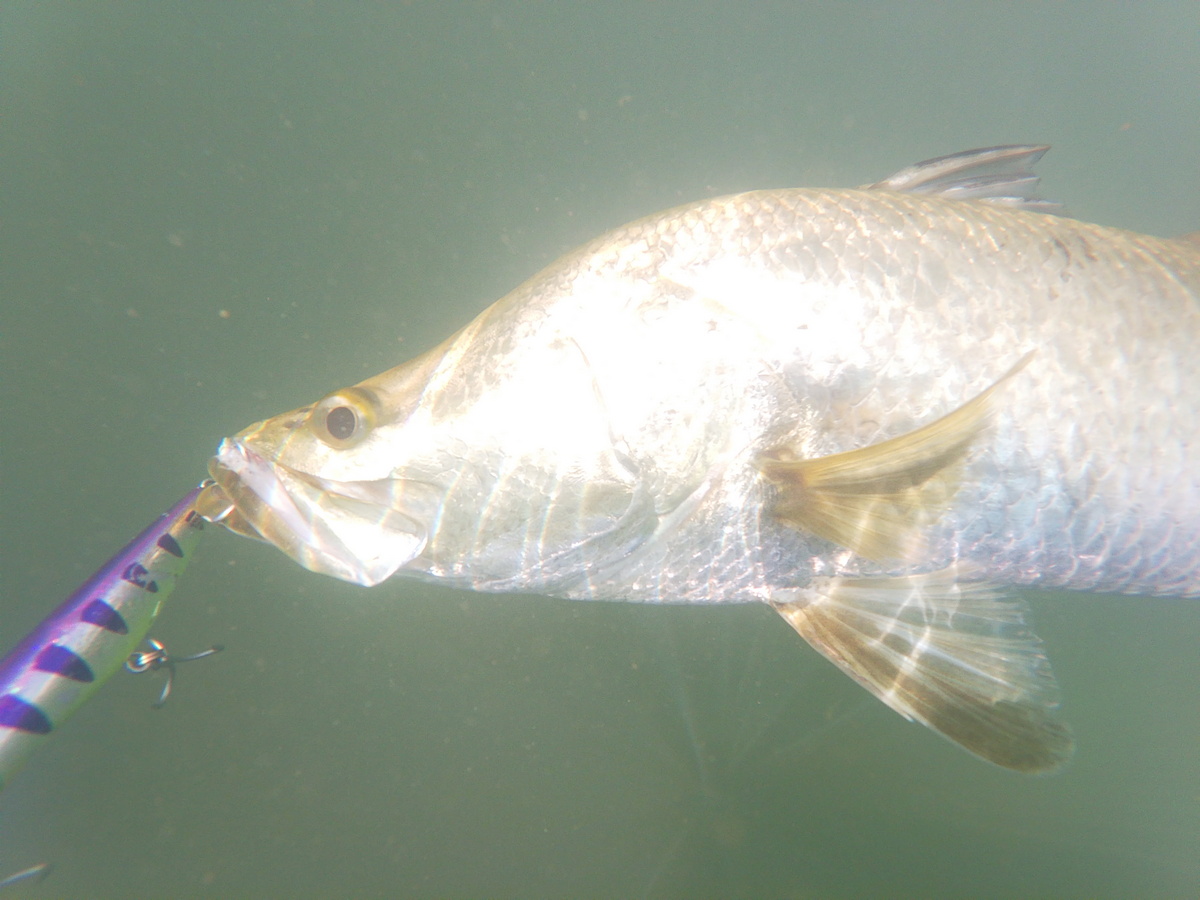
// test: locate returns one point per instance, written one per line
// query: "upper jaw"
(358, 531)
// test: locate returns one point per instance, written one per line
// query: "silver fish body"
(871, 408)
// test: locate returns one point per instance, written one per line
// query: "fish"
(72, 652)
(887, 412)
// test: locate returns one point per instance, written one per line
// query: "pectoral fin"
(953, 655)
(876, 500)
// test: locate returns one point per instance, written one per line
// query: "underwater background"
(215, 212)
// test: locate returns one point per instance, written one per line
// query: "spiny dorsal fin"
(1001, 175)
(954, 655)
(876, 500)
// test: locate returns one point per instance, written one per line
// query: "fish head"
(324, 483)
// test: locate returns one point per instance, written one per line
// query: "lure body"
(62, 662)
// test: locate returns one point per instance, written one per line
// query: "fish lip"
(358, 531)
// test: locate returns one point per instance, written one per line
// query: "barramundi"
(883, 411)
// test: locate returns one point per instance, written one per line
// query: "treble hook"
(157, 658)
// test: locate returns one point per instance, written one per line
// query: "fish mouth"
(358, 531)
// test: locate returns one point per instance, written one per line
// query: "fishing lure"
(74, 650)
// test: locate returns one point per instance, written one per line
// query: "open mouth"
(357, 531)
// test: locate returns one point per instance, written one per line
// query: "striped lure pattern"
(62, 662)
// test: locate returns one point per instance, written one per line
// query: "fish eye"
(340, 422)
(343, 419)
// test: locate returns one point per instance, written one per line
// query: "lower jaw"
(217, 507)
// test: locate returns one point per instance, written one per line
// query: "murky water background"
(213, 212)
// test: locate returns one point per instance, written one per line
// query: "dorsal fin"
(1001, 175)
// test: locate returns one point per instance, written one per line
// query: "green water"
(351, 182)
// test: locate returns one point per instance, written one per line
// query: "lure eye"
(343, 419)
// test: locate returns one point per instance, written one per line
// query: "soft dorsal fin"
(1001, 175)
